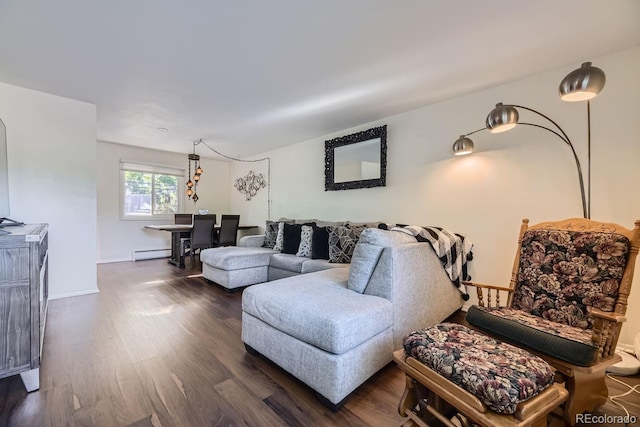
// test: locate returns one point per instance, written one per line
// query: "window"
(150, 191)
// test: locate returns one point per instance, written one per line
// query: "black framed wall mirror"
(358, 160)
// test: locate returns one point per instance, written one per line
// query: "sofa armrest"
(252, 241)
(412, 277)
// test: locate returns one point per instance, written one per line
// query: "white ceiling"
(252, 75)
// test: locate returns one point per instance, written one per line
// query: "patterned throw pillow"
(304, 250)
(279, 238)
(270, 234)
(342, 242)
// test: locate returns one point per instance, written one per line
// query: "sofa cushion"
(569, 343)
(499, 374)
(323, 223)
(287, 262)
(380, 237)
(364, 261)
(236, 258)
(318, 309)
(313, 265)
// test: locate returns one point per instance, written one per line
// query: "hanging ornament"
(192, 183)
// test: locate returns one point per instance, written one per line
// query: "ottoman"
(234, 267)
(453, 371)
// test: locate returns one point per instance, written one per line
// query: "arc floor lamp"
(581, 84)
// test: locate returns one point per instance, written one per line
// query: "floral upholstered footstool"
(453, 371)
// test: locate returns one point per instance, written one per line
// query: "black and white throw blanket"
(454, 250)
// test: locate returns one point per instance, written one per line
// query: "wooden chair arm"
(606, 328)
(490, 289)
(483, 286)
(606, 315)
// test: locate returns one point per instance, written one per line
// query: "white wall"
(118, 238)
(52, 150)
(526, 172)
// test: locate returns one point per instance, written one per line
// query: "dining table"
(183, 231)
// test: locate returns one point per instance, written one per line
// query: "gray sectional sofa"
(249, 263)
(255, 260)
(336, 327)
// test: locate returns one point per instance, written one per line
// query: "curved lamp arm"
(475, 131)
(565, 138)
(560, 133)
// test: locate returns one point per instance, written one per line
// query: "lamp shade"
(462, 146)
(582, 84)
(502, 118)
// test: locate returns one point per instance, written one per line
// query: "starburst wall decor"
(250, 184)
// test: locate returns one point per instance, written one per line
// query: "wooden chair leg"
(414, 405)
(408, 400)
(586, 392)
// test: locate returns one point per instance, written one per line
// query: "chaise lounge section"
(259, 258)
(334, 329)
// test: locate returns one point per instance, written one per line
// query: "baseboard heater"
(141, 255)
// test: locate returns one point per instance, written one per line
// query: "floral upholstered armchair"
(566, 301)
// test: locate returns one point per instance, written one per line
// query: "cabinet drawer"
(15, 324)
(14, 265)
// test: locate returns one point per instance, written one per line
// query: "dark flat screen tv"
(4, 182)
(4, 173)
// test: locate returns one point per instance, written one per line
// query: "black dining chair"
(201, 235)
(183, 218)
(228, 233)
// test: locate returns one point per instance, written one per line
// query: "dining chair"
(183, 218)
(228, 233)
(201, 235)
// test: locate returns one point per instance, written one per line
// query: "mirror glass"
(356, 161)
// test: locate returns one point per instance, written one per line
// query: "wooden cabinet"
(24, 287)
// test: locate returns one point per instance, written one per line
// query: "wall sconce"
(579, 85)
(192, 183)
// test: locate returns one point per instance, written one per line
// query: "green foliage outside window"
(148, 194)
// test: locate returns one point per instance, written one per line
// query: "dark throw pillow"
(320, 243)
(291, 241)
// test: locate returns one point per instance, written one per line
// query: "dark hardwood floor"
(158, 346)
